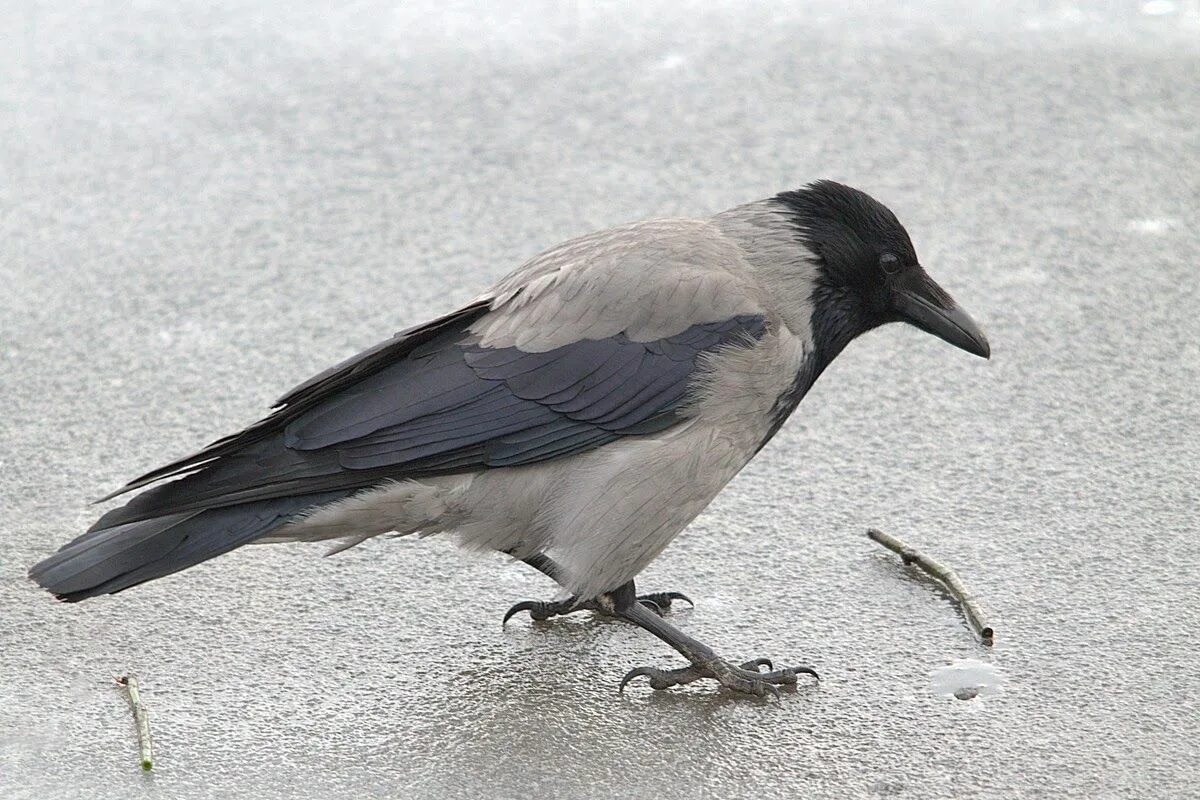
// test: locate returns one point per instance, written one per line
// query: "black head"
(869, 270)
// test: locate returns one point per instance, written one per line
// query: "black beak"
(921, 302)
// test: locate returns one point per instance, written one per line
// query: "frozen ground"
(202, 204)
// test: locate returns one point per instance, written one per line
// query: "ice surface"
(203, 203)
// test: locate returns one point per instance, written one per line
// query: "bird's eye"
(889, 263)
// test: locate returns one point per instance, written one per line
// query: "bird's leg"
(747, 678)
(656, 602)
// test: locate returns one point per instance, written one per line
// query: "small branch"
(935, 569)
(145, 746)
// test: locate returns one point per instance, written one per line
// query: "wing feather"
(599, 339)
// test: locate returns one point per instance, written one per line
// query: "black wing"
(433, 402)
(314, 390)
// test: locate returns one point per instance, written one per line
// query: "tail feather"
(107, 560)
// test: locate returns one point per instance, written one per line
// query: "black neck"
(837, 319)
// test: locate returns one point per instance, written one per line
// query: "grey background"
(202, 204)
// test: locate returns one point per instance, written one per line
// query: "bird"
(577, 416)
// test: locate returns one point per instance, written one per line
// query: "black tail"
(107, 560)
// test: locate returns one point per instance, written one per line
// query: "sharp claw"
(806, 671)
(762, 689)
(635, 673)
(664, 599)
(524, 605)
(537, 609)
(681, 596)
(758, 663)
(652, 605)
(754, 686)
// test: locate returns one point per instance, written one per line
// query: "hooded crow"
(577, 416)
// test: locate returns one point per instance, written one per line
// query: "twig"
(970, 607)
(145, 746)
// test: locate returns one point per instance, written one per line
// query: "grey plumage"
(580, 414)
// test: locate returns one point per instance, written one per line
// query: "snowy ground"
(201, 204)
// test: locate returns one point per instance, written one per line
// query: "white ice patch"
(966, 679)
(671, 61)
(1158, 8)
(1151, 225)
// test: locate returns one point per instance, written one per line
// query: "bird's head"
(868, 272)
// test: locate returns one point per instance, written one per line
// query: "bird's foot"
(661, 601)
(746, 679)
(658, 602)
(542, 609)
